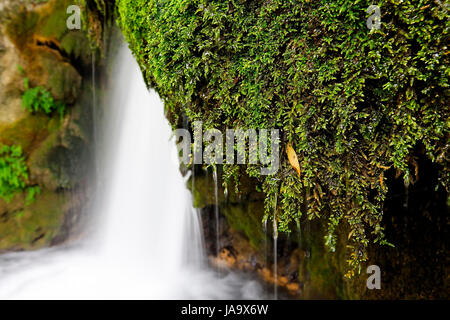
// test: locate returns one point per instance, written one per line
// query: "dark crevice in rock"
(39, 237)
(52, 45)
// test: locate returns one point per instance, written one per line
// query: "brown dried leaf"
(381, 179)
(350, 234)
(293, 159)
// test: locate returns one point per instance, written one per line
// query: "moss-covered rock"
(352, 102)
(33, 226)
(246, 217)
(36, 44)
(362, 109)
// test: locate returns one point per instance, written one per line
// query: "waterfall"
(144, 190)
(148, 241)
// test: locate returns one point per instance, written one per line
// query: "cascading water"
(147, 227)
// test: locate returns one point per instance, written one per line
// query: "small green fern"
(14, 174)
(39, 99)
(13, 171)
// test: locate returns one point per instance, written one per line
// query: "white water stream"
(148, 243)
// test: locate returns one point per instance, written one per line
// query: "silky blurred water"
(148, 241)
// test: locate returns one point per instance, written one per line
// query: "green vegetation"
(13, 173)
(39, 99)
(96, 18)
(37, 1)
(353, 103)
(32, 192)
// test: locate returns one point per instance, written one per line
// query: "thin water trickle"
(299, 231)
(266, 264)
(406, 202)
(275, 254)
(148, 242)
(216, 211)
(275, 267)
(225, 193)
(94, 108)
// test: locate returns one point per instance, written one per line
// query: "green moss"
(52, 21)
(33, 226)
(63, 81)
(96, 19)
(203, 192)
(76, 45)
(350, 101)
(322, 270)
(37, 1)
(244, 210)
(246, 218)
(27, 132)
(53, 153)
(21, 26)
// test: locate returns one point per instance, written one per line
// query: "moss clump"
(351, 102)
(52, 19)
(76, 45)
(97, 18)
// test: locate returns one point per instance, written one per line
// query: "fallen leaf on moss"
(351, 233)
(381, 178)
(293, 159)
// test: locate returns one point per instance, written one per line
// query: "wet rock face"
(243, 243)
(416, 268)
(36, 44)
(10, 80)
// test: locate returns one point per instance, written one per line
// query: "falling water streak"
(198, 229)
(299, 231)
(307, 227)
(225, 194)
(216, 210)
(406, 203)
(193, 178)
(265, 243)
(193, 239)
(406, 206)
(193, 244)
(275, 266)
(275, 258)
(94, 114)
